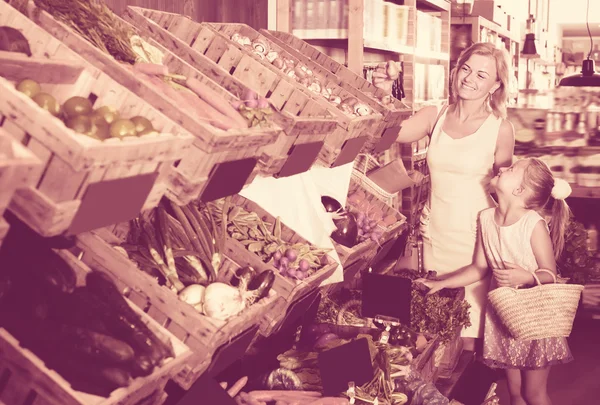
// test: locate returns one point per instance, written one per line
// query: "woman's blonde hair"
(539, 179)
(499, 99)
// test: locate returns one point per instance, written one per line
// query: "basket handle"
(547, 271)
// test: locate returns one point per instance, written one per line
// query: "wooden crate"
(16, 162)
(72, 162)
(202, 334)
(393, 113)
(297, 130)
(283, 92)
(285, 287)
(368, 248)
(31, 382)
(189, 176)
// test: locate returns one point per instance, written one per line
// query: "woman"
(470, 140)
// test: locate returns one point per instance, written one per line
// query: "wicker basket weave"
(543, 311)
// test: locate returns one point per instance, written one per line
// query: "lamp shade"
(529, 49)
(587, 78)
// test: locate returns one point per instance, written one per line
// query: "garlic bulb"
(192, 294)
(271, 56)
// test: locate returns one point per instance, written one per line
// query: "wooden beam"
(356, 23)
(284, 16)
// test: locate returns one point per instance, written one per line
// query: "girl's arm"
(465, 276)
(505, 146)
(541, 244)
(418, 126)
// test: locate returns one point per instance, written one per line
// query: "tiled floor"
(576, 383)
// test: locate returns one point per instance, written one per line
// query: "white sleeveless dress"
(512, 244)
(460, 171)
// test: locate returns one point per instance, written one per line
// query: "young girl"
(514, 241)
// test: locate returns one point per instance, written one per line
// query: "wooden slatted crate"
(289, 289)
(282, 90)
(349, 256)
(189, 176)
(27, 380)
(16, 162)
(297, 130)
(202, 334)
(393, 113)
(73, 162)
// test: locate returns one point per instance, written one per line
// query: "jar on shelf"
(570, 162)
(557, 165)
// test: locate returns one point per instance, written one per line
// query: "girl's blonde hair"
(498, 100)
(540, 180)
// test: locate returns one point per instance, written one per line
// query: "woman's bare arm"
(418, 126)
(505, 146)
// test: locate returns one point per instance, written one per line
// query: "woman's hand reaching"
(513, 276)
(433, 285)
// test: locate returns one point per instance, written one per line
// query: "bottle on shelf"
(592, 239)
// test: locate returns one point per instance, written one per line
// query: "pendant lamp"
(588, 75)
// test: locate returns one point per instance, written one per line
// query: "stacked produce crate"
(276, 75)
(146, 130)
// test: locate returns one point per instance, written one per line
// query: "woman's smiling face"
(477, 78)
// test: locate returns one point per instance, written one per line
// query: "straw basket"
(543, 311)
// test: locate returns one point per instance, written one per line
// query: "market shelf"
(483, 22)
(436, 5)
(584, 192)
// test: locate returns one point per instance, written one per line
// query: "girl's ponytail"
(559, 221)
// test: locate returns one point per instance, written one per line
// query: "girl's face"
(509, 180)
(477, 78)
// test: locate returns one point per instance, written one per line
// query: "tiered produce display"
(125, 288)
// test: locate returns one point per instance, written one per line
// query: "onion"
(222, 301)
(291, 254)
(192, 294)
(335, 99)
(304, 265)
(251, 103)
(362, 109)
(278, 63)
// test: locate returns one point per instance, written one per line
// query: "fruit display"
(351, 106)
(78, 114)
(293, 260)
(146, 62)
(86, 333)
(181, 247)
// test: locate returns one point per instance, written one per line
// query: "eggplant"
(262, 283)
(100, 285)
(243, 273)
(12, 40)
(347, 230)
(331, 204)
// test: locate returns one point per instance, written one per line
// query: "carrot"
(212, 97)
(205, 110)
(237, 387)
(151, 69)
(330, 401)
(223, 385)
(284, 395)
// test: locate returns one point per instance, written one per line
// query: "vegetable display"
(78, 114)
(303, 75)
(181, 248)
(370, 216)
(576, 261)
(98, 24)
(88, 334)
(441, 314)
(294, 260)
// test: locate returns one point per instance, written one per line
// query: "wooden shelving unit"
(340, 31)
